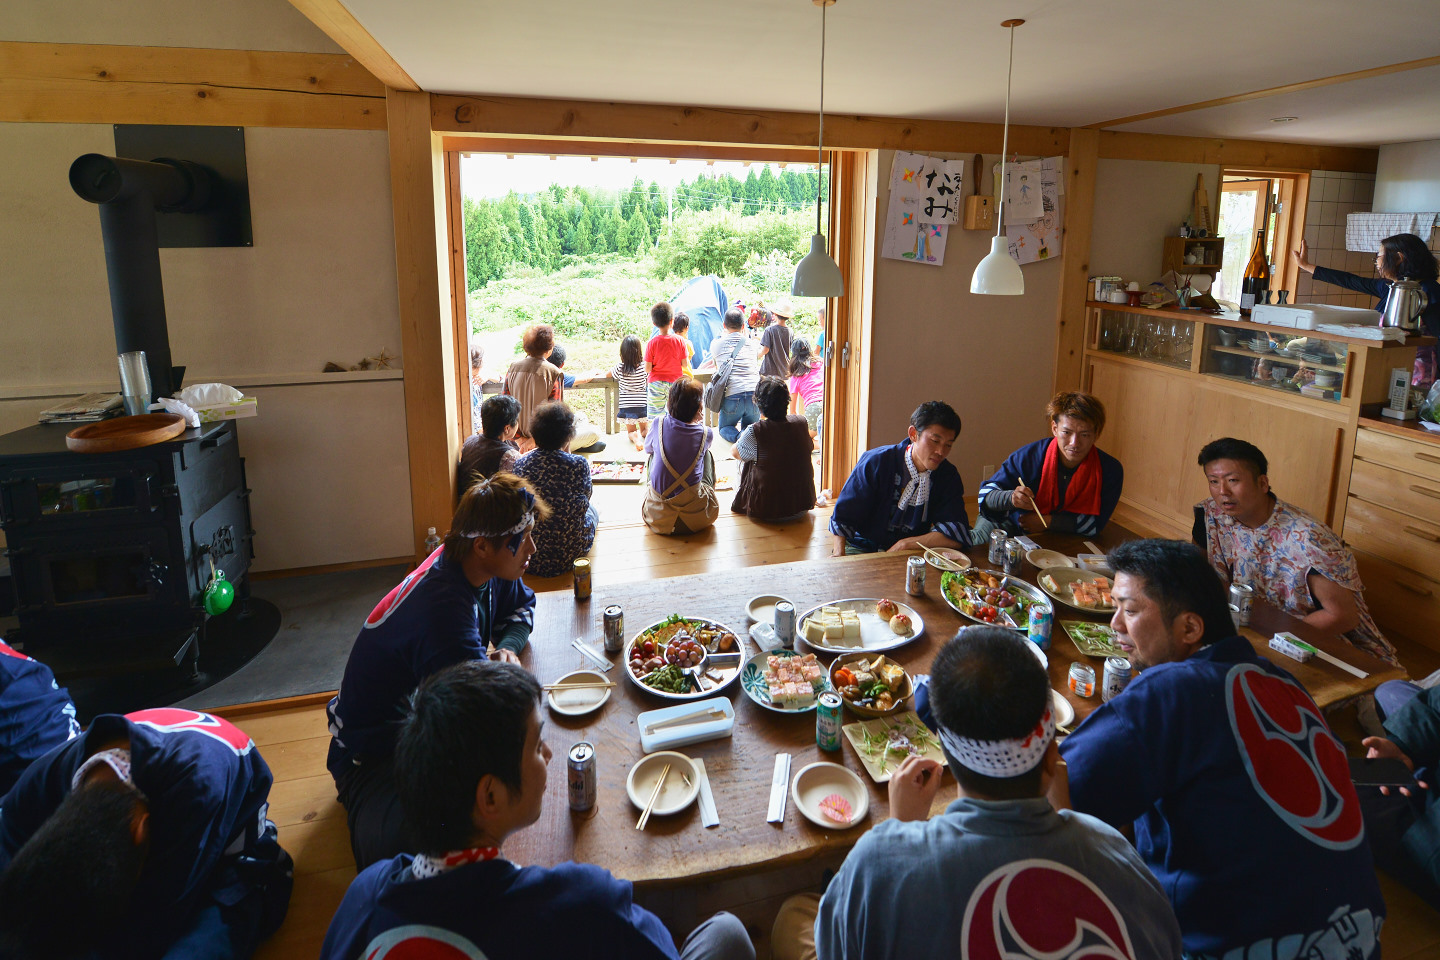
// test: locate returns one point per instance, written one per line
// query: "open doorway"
(1252, 201)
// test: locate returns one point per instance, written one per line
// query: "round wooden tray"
(125, 433)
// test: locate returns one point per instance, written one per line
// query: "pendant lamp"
(999, 273)
(818, 275)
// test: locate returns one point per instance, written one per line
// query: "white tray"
(875, 634)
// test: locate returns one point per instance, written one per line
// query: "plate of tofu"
(784, 681)
(859, 623)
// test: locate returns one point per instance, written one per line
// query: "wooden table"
(677, 848)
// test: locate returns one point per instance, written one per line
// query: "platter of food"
(1092, 639)
(883, 744)
(871, 686)
(829, 795)
(784, 681)
(859, 623)
(1081, 589)
(616, 471)
(683, 658)
(992, 598)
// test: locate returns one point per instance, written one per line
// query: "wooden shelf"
(1274, 358)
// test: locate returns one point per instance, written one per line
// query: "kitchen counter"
(1371, 419)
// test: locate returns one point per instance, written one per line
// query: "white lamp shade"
(817, 275)
(998, 273)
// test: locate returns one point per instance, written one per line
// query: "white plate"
(577, 703)
(762, 609)
(874, 758)
(956, 557)
(1044, 559)
(875, 634)
(675, 795)
(817, 781)
(1064, 713)
(1063, 577)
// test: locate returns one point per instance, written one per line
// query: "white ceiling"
(1077, 62)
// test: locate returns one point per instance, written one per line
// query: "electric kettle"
(1404, 305)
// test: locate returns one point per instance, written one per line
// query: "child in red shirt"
(665, 354)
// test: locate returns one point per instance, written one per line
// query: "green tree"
(485, 253)
(609, 239)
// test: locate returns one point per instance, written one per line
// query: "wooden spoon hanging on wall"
(979, 211)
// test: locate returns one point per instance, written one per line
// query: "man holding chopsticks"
(1063, 483)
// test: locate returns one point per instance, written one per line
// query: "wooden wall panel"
(1075, 259)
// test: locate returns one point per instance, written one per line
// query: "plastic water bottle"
(432, 541)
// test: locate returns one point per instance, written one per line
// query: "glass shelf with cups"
(1140, 336)
(1294, 362)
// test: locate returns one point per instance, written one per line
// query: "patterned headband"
(517, 532)
(1002, 758)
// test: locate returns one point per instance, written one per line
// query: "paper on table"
(577, 698)
(709, 817)
(779, 789)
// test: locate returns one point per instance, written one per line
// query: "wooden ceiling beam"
(340, 25)
(1116, 145)
(483, 143)
(1273, 91)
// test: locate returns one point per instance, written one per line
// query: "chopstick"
(588, 685)
(1093, 549)
(591, 655)
(654, 795)
(1033, 505)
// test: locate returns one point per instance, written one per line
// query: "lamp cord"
(1005, 140)
(820, 147)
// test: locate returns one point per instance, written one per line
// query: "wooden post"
(1075, 259)
(417, 187)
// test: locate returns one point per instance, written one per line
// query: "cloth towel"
(1364, 231)
(1363, 332)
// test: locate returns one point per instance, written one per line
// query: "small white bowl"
(762, 609)
(577, 703)
(817, 781)
(675, 795)
(1044, 559)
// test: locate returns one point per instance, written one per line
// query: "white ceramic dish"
(868, 738)
(762, 609)
(1064, 713)
(753, 682)
(577, 703)
(957, 557)
(676, 795)
(875, 633)
(819, 780)
(1044, 559)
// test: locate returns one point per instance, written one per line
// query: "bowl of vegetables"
(871, 685)
(993, 598)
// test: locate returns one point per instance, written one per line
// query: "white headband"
(116, 758)
(524, 523)
(1002, 758)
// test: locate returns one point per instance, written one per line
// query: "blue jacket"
(865, 512)
(432, 619)
(1027, 463)
(36, 714)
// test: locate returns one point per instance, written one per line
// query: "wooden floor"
(294, 740)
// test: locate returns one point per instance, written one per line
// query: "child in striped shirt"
(630, 374)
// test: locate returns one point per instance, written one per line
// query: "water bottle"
(432, 541)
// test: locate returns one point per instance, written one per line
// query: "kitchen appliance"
(1308, 316)
(1404, 305)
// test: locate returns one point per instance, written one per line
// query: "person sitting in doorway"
(736, 349)
(587, 437)
(479, 377)
(1239, 793)
(680, 495)
(492, 450)
(472, 764)
(562, 480)
(1000, 868)
(36, 714)
(905, 496)
(146, 837)
(533, 379)
(464, 599)
(1076, 484)
(1294, 562)
(775, 342)
(777, 479)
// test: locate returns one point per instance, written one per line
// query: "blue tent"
(703, 300)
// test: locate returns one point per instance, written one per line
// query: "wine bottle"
(1257, 276)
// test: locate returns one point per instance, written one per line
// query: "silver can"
(1014, 557)
(1242, 597)
(915, 576)
(997, 546)
(614, 628)
(580, 772)
(785, 624)
(1117, 674)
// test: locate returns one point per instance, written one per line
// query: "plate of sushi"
(784, 681)
(1081, 589)
(872, 624)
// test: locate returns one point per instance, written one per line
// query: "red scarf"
(1082, 495)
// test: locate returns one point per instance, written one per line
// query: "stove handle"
(156, 572)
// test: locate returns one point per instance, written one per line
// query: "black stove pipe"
(129, 192)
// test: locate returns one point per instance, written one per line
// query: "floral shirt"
(562, 480)
(1277, 558)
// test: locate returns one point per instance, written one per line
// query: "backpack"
(714, 394)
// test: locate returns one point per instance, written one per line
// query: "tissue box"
(245, 407)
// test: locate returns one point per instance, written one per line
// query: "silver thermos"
(1404, 305)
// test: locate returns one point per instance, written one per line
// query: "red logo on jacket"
(420, 942)
(392, 600)
(1042, 910)
(1294, 761)
(176, 720)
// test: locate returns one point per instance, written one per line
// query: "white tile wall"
(1333, 197)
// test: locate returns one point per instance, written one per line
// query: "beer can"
(614, 628)
(785, 624)
(1014, 556)
(1041, 623)
(1242, 595)
(1117, 675)
(1082, 680)
(827, 721)
(997, 547)
(580, 771)
(915, 576)
(581, 569)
